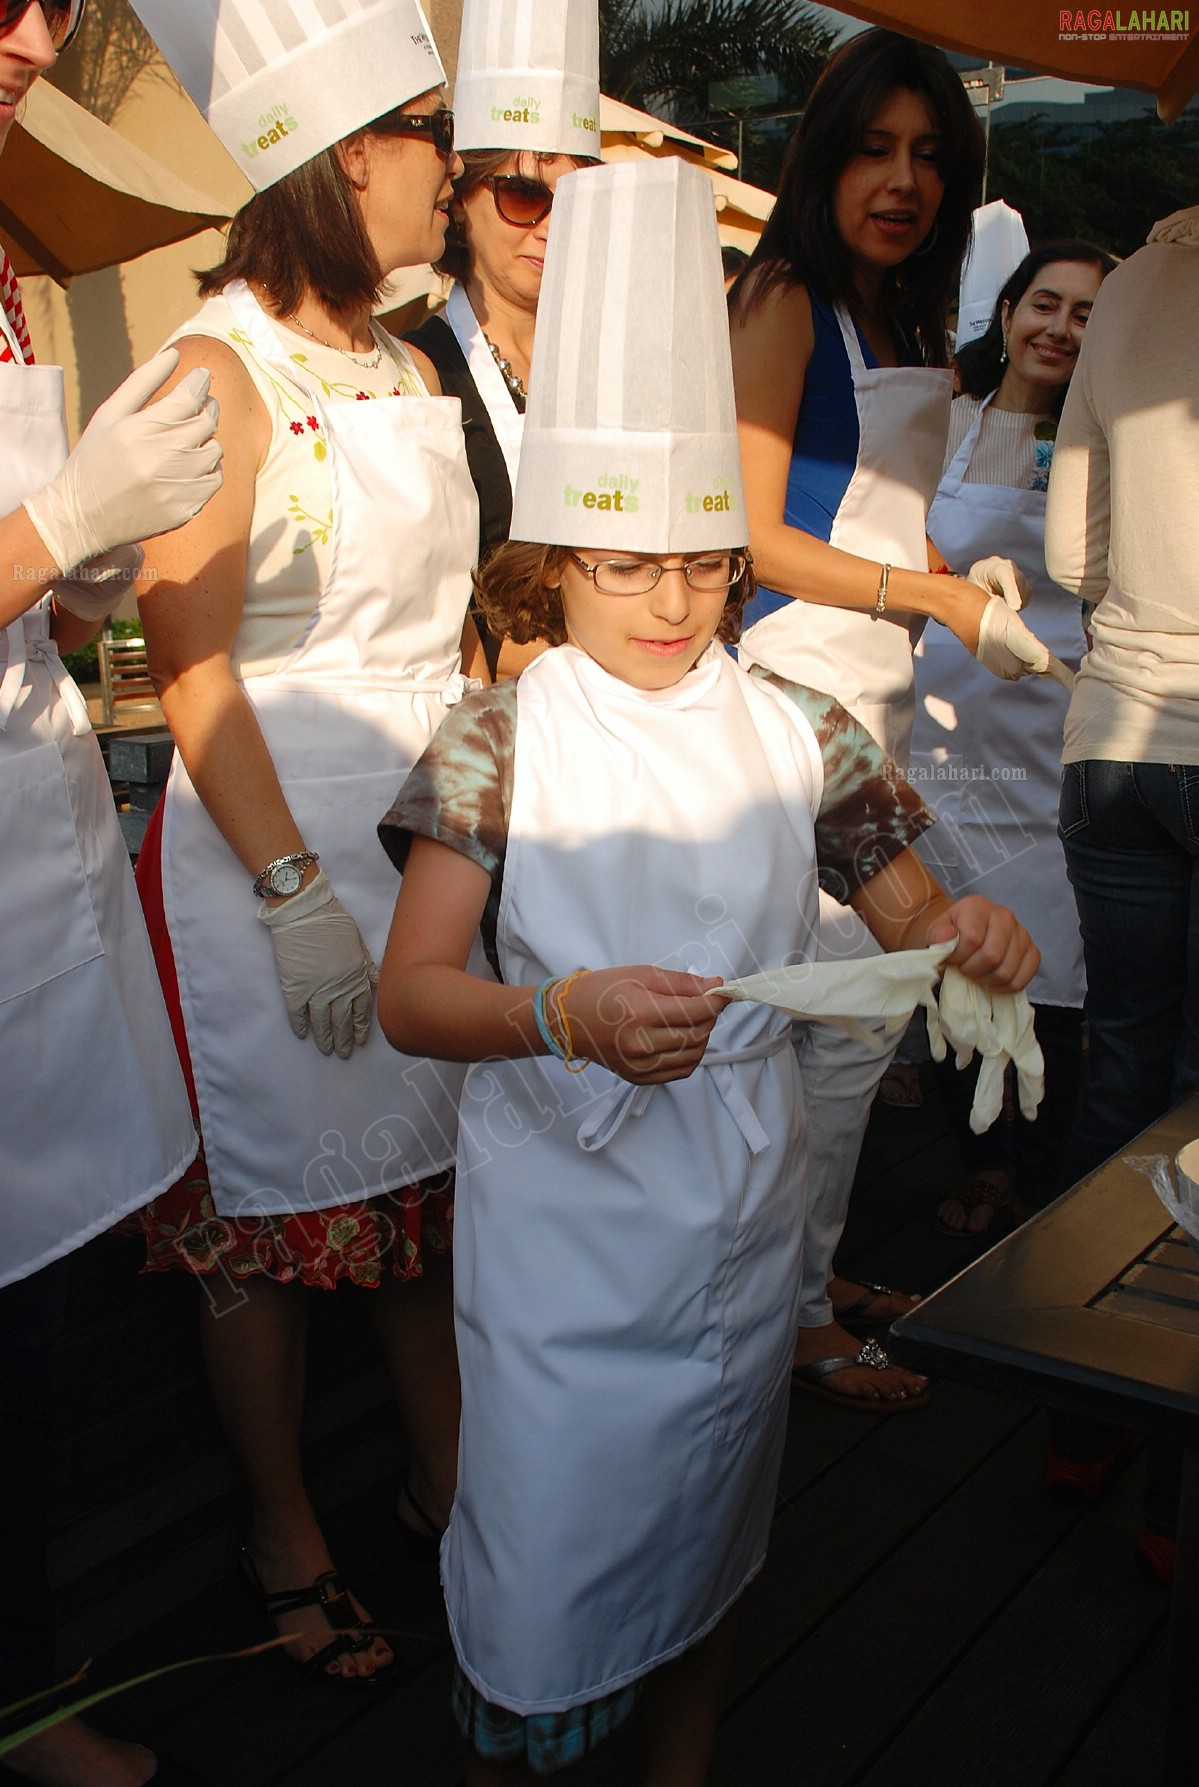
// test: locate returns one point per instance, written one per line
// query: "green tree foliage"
(665, 60)
(1108, 184)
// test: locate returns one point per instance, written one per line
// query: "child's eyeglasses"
(63, 17)
(438, 126)
(520, 200)
(637, 576)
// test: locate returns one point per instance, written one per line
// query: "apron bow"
(34, 646)
(623, 1100)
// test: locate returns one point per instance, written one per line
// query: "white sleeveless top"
(287, 561)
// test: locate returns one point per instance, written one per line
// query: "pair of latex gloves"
(1006, 647)
(136, 472)
(965, 1016)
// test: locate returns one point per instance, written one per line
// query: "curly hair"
(519, 603)
(801, 244)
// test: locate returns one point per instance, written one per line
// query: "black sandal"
(351, 1637)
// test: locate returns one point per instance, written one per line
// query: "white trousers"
(840, 1078)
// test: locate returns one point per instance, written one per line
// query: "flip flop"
(812, 1379)
(972, 1196)
(900, 1087)
(854, 1314)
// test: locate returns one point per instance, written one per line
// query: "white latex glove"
(1000, 1027)
(1006, 647)
(101, 584)
(136, 472)
(324, 967)
(1000, 577)
(845, 993)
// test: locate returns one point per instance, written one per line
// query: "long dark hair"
(980, 362)
(305, 233)
(801, 244)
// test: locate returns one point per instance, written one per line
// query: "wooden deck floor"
(926, 1615)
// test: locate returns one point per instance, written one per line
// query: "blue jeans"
(1130, 832)
(1131, 836)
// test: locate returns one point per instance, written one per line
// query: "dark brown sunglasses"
(520, 200)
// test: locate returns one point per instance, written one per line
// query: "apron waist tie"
(36, 647)
(451, 689)
(622, 1101)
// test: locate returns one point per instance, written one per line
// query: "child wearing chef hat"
(626, 1230)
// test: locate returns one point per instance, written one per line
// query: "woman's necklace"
(348, 352)
(510, 377)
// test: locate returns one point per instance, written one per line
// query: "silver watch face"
(286, 878)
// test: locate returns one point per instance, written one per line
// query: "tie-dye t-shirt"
(460, 794)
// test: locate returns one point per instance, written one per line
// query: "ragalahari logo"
(1105, 26)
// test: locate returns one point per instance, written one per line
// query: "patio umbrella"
(1087, 43)
(627, 134)
(75, 196)
(624, 124)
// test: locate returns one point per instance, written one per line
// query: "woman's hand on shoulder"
(648, 1025)
(993, 947)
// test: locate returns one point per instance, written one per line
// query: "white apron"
(626, 1259)
(988, 753)
(345, 717)
(903, 421)
(506, 420)
(94, 1117)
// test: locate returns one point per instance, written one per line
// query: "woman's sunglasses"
(62, 17)
(438, 126)
(520, 200)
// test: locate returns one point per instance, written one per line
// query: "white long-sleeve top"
(1122, 527)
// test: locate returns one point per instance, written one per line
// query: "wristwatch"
(284, 875)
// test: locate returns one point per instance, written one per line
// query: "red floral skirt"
(366, 1242)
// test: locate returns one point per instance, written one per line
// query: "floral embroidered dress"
(287, 561)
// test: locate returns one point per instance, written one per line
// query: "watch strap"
(299, 859)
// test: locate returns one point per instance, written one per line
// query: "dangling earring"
(929, 243)
(1003, 353)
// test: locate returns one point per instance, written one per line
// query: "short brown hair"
(305, 233)
(519, 604)
(479, 165)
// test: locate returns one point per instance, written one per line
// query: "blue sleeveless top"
(825, 450)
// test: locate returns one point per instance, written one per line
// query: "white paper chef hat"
(997, 247)
(631, 431)
(280, 80)
(528, 76)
